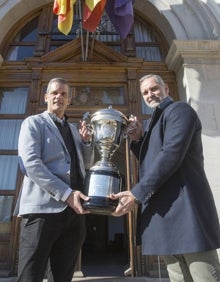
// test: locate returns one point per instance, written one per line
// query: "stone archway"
(188, 20)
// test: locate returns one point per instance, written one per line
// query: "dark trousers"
(52, 240)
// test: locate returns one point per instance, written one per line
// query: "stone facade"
(192, 30)
(197, 68)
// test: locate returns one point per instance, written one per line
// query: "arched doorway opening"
(35, 52)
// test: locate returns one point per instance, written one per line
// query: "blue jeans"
(194, 267)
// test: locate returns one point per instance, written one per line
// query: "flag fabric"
(64, 10)
(92, 13)
(121, 15)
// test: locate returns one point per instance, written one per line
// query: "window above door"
(40, 35)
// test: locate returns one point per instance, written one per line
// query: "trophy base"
(100, 205)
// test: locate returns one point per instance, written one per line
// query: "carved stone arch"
(14, 12)
(182, 21)
(153, 14)
(202, 25)
(212, 11)
(173, 20)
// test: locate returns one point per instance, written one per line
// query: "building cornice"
(193, 52)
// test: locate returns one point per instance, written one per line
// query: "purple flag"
(121, 15)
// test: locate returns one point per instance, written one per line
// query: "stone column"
(197, 68)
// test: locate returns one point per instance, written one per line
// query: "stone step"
(103, 279)
(121, 279)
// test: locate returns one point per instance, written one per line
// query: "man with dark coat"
(179, 220)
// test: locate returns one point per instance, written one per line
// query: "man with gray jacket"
(53, 156)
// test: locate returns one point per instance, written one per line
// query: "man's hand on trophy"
(135, 129)
(127, 202)
(85, 131)
(75, 202)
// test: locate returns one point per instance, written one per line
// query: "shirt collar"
(61, 121)
(165, 102)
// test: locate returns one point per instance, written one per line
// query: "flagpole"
(81, 30)
(87, 45)
(95, 36)
(93, 41)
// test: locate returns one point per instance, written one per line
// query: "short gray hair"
(61, 81)
(157, 78)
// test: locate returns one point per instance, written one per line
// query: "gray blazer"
(45, 161)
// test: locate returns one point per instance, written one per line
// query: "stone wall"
(197, 66)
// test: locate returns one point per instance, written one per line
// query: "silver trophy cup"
(108, 127)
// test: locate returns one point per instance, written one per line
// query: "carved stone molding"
(193, 52)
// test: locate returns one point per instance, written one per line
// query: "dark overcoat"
(178, 210)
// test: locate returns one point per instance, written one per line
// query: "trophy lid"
(109, 114)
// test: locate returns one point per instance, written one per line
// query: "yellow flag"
(64, 10)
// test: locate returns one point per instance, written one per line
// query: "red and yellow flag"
(92, 13)
(64, 10)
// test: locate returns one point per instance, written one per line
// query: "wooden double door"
(110, 79)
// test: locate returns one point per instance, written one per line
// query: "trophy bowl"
(108, 127)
